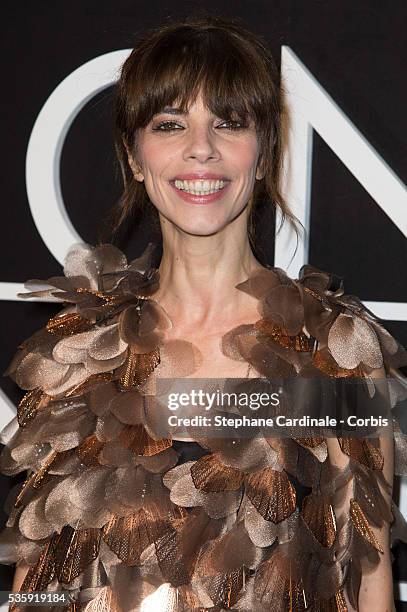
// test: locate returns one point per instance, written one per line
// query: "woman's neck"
(198, 276)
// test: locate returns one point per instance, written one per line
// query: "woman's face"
(199, 170)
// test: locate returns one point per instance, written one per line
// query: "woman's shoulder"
(91, 268)
(316, 303)
(90, 334)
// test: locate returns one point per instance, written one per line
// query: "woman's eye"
(172, 126)
(232, 125)
(167, 126)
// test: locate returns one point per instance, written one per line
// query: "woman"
(121, 509)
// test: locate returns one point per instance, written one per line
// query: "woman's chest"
(196, 355)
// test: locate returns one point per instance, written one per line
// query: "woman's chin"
(197, 226)
(195, 230)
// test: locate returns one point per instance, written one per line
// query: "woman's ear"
(135, 166)
(260, 173)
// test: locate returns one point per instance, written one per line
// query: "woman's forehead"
(203, 103)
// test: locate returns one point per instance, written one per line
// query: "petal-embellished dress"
(122, 517)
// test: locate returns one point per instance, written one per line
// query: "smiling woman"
(211, 79)
(120, 508)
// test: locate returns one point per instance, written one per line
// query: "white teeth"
(201, 187)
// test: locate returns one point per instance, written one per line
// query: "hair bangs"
(183, 66)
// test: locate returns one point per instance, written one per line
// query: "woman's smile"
(200, 189)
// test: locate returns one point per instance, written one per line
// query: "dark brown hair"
(237, 75)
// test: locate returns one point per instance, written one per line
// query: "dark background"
(356, 50)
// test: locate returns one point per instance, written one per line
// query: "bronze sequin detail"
(88, 451)
(211, 476)
(87, 384)
(28, 406)
(327, 364)
(27, 484)
(128, 536)
(110, 299)
(318, 514)
(75, 550)
(300, 342)
(223, 589)
(136, 439)
(40, 476)
(272, 494)
(68, 324)
(42, 573)
(138, 367)
(362, 525)
(274, 579)
(340, 602)
(36, 479)
(337, 603)
(363, 451)
(297, 600)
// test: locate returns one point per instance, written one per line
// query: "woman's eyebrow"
(171, 110)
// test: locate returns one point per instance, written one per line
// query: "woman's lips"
(200, 199)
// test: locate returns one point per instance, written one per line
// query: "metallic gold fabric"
(110, 513)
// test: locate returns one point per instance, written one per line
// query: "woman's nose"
(201, 145)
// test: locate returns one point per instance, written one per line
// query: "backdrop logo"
(46, 143)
